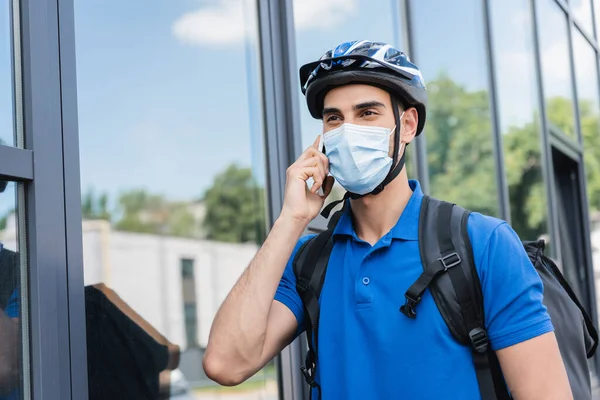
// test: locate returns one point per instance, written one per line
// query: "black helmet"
(3, 185)
(371, 63)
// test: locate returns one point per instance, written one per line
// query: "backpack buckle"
(479, 340)
(408, 308)
(450, 260)
(308, 376)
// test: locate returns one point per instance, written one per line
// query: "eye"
(332, 118)
(368, 113)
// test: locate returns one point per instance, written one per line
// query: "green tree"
(3, 221)
(460, 147)
(93, 207)
(235, 207)
(524, 175)
(144, 212)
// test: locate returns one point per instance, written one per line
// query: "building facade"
(145, 148)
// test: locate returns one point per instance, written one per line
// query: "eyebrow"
(368, 104)
(356, 107)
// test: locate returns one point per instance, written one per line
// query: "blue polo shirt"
(369, 350)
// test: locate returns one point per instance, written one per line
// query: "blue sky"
(168, 92)
(6, 101)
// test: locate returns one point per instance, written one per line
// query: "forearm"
(238, 332)
(9, 353)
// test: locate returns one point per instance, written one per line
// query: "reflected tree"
(460, 147)
(590, 129)
(235, 207)
(461, 158)
(144, 212)
(95, 207)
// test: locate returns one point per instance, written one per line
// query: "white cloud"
(220, 24)
(310, 14)
(229, 22)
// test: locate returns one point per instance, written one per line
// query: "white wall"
(145, 271)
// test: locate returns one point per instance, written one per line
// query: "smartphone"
(321, 147)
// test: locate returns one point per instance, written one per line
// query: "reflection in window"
(556, 68)
(11, 366)
(6, 75)
(582, 11)
(189, 297)
(172, 166)
(449, 46)
(519, 116)
(589, 105)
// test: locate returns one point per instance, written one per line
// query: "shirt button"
(366, 280)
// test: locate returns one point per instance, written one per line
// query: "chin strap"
(394, 169)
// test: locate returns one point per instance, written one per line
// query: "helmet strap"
(396, 167)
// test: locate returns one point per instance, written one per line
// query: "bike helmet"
(371, 63)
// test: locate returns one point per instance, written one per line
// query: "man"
(9, 322)
(372, 101)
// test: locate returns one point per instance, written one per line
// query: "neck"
(375, 215)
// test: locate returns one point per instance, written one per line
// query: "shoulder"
(488, 234)
(483, 227)
(494, 242)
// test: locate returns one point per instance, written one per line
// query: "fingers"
(316, 143)
(321, 173)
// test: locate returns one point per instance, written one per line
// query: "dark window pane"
(172, 173)
(519, 116)
(556, 68)
(449, 46)
(11, 293)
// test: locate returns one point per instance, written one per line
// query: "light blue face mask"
(358, 156)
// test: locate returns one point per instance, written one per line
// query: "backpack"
(449, 273)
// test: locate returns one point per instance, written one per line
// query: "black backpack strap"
(447, 257)
(310, 266)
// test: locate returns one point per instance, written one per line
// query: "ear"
(410, 121)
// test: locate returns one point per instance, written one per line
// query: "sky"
(169, 91)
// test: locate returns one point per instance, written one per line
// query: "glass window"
(556, 68)
(11, 331)
(597, 15)
(7, 81)
(582, 11)
(189, 297)
(589, 105)
(449, 49)
(519, 116)
(172, 173)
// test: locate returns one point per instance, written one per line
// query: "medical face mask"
(358, 156)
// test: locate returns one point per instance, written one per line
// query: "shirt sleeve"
(512, 290)
(287, 293)
(14, 305)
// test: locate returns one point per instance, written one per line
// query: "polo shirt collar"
(407, 227)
